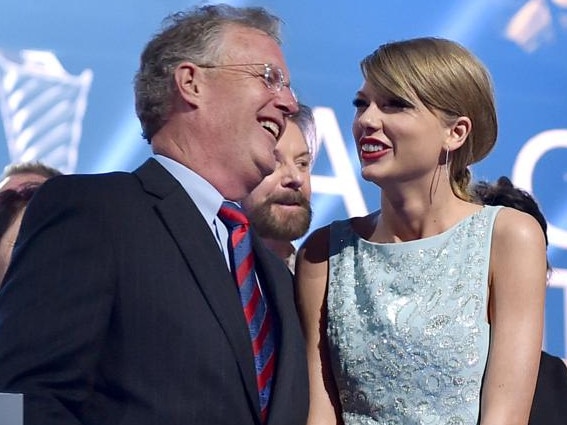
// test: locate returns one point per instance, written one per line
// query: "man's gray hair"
(194, 36)
(306, 122)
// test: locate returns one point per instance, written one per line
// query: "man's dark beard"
(287, 226)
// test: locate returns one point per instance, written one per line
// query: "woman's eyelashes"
(386, 104)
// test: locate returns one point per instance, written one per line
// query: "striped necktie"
(255, 308)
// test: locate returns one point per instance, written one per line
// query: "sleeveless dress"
(407, 324)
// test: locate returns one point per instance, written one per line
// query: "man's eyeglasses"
(273, 75)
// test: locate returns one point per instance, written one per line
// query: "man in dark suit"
(119, 307)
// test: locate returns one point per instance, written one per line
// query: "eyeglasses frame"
(268, 68)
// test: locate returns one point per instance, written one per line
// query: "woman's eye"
(397, 103)
(359, 103)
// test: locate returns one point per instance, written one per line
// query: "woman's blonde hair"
(450, 82)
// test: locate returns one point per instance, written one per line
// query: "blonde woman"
(429, 310)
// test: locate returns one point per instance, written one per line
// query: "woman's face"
(7, 243)
(396, 141)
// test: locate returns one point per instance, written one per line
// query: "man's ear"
(459, 131)
(187, 79)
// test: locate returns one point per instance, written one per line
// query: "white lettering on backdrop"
(343, 182)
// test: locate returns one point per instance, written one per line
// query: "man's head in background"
(13, 204)
(279, 207)
(17, 176)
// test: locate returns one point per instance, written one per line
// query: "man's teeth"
(272, 127)
(367, 147)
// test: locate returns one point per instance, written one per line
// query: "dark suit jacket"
(550, 400)
(118, 309)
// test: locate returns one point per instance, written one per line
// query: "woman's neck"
(411, 217)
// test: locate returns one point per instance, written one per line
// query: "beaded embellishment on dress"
(407, 324)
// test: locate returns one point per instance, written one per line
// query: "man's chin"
(288, 223)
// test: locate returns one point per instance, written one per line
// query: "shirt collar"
(207, 199)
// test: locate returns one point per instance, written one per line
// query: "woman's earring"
(447, 164)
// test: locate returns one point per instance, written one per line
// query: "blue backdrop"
(66, 70)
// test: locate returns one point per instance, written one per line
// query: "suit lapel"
(206, 262)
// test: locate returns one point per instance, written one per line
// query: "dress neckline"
(416, 242)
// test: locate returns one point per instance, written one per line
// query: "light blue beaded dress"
(407, 324)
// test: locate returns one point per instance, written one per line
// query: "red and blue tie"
(255, 308)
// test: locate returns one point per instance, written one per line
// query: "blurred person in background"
(13, 204)
(279, 207)
(18, 175)
(18, 183)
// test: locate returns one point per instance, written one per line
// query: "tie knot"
(232, 215)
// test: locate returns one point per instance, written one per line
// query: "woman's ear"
(460, 130)
(187, 81)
